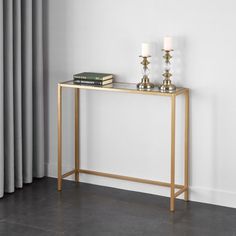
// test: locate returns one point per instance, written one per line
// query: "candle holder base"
(145, 84)
(168, 87)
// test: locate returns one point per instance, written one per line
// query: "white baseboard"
(197, 194)
(213, 196)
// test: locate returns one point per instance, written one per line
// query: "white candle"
(145, 49)
(167, 43)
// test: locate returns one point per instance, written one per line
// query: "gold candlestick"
(167, 86)
(145, 84)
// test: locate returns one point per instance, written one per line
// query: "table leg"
(186, 147)
(77, 135)
(172, 188)
(59, 117)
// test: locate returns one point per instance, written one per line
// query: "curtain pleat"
(17, 79)
(27, 87)
(1, 104)
(38, 89)
(8, 97)
(21, 93)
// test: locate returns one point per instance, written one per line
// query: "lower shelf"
(122, 177)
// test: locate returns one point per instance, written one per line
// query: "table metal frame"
(181, 188)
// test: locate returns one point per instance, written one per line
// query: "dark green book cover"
(93, 76)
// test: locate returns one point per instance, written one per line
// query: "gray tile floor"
(84, 209)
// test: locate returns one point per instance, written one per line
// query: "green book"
(93, 76)
(93, 82)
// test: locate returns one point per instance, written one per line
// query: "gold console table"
(175, 189)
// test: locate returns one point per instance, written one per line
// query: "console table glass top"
(122, 87)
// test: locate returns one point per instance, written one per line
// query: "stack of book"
(91, 78)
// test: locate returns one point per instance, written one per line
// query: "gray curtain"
(21, 93)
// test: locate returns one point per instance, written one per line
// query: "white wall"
(130, 134)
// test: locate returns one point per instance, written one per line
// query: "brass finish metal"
(186, 146)
(182, 188)
(167, 55)
(133, 179)
(145, 83)
(167, 86)
(76, 134)
(59, 127)
(69, 173)
(172, 168)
